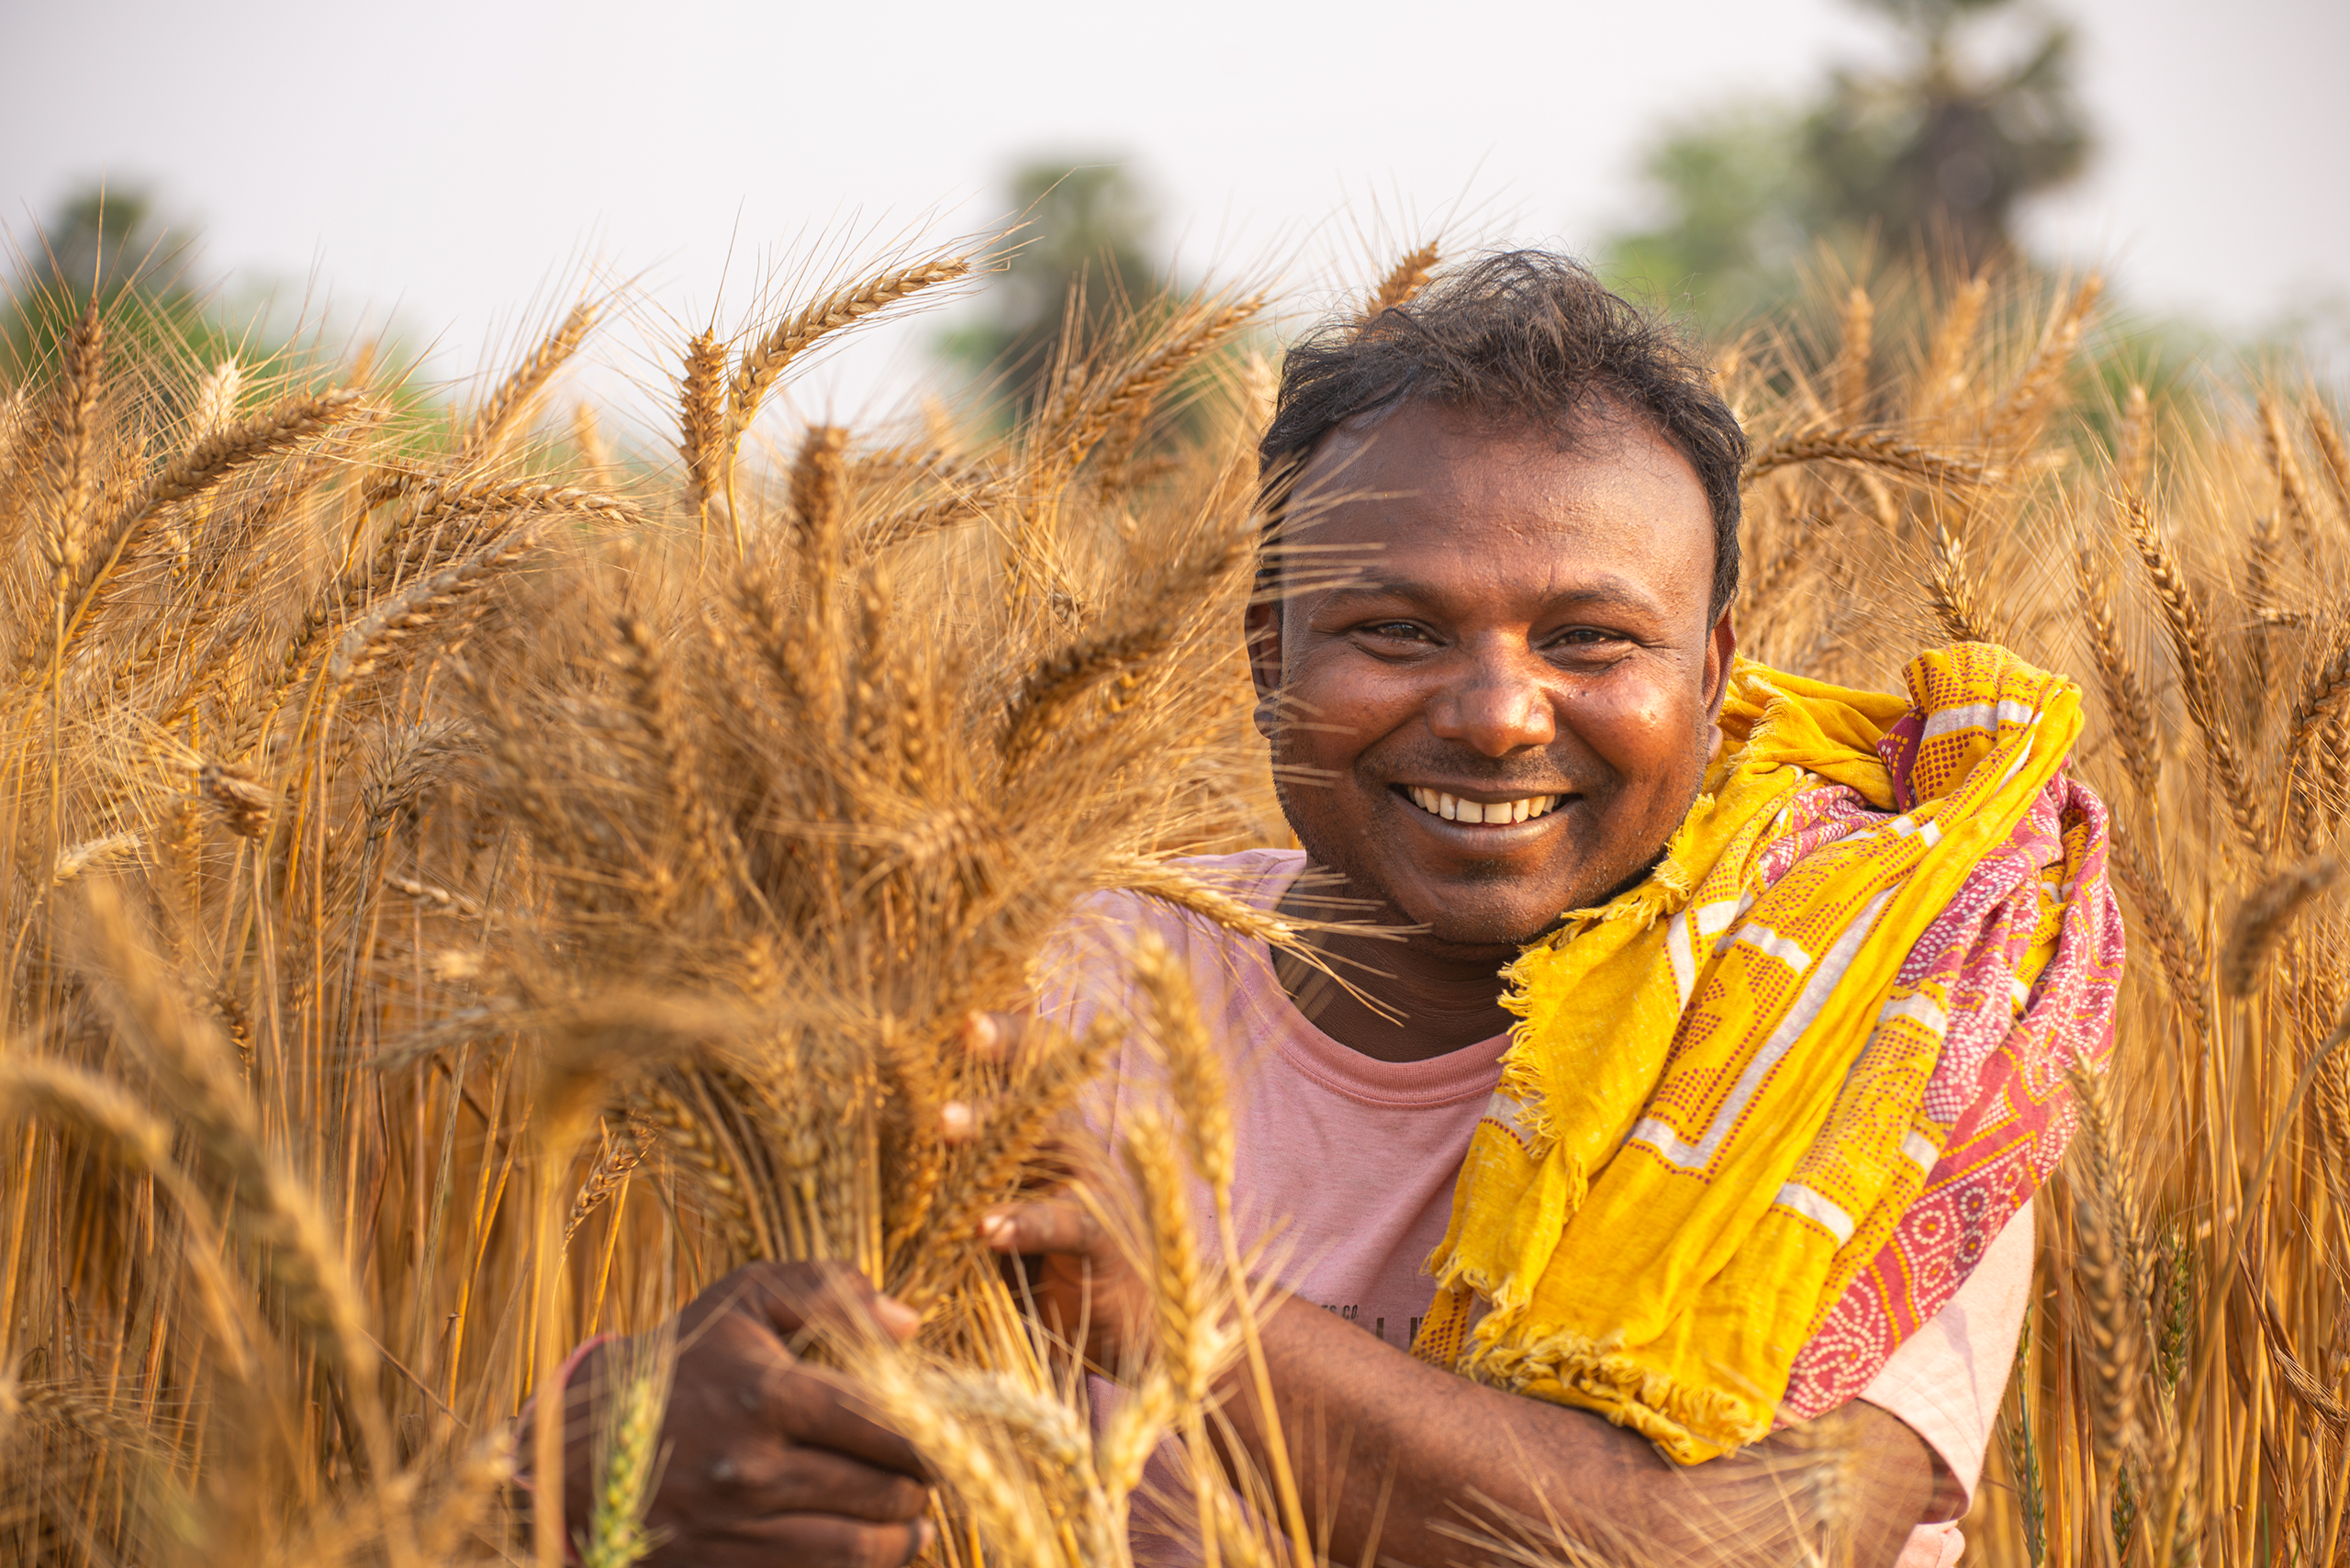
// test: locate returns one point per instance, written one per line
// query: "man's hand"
(1085, 1288)
(1081, 1280)
(765, 1460)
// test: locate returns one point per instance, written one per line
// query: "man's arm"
(1401, 1458)
(1363, 1418)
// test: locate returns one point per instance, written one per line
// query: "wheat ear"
(963, 1458)
(2292, 492)
(204, 468)
(2321, 701)
(487, 436)
(213, 407)
(1183, 1314)
(73, 482)
(78, 860)
(1128, 397)
(2105, 1230)
(2198, 668)
(1864, 449)
(763, 363)
(2263, 921)
(701, 425)
(1053, 687)
(2133, 449)
(588, 447)
(2021, 412)
(415, 607)
(2331, 451)
(2128, 710)
(1950, 590)
(1404, 280)
(1848, 378)
(621, 1153)
(1943, 380)
(442, 496)
(616, 1536)
(1195, 1072)
(2185, 971)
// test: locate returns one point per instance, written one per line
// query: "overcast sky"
(451, 162)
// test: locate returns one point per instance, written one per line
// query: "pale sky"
(456, 164)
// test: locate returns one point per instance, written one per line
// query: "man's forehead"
(1596, 427)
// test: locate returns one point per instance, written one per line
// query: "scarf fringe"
(1627, 1391)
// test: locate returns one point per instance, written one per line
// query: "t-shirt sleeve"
(1946, 1380)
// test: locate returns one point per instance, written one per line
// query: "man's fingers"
(994, 1036)
(1054, 1225)
(815, 1540)
(1012, 1040)
(815, 1411)
(802, 1479)
(791, 1298)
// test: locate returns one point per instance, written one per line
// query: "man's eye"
(1402, 631)
(1587, 638)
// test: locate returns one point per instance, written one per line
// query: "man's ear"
(1721, 653)
(1262, 626)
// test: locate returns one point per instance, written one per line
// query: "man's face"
(1505, 712)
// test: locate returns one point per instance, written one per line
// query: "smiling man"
(1686, 1118)
(1725, 1052)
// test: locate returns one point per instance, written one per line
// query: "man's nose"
(1496, 705)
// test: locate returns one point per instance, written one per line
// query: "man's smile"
(1482, 809)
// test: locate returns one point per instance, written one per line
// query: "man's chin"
(1463, 934)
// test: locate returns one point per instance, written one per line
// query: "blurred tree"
(1087, 227)
(1935, 153)
(112, 241)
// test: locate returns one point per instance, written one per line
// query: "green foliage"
(1081, 259)
(111, 244)
(1929, 158)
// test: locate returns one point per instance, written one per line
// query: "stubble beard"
(1363, 881)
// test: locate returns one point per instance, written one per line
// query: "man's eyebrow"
(1598, 593)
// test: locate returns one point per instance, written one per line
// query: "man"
(1796, 974)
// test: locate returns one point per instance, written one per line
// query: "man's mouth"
(1453, 809)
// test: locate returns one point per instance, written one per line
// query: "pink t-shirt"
(1347, 1164)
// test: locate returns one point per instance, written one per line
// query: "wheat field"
(468, 889)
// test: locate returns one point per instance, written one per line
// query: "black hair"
(1516, 337)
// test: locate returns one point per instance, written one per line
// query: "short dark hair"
(1516, 336)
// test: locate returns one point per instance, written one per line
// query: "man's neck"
(1434, 1003)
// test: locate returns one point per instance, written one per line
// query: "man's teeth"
(1454, 810)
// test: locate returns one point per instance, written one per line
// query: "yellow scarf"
(1710, 1112)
